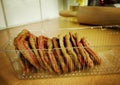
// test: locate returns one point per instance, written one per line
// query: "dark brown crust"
(25, 64)
(52, 57)
(68, 59)
(33, 43)
(84, 53)
(59, 56)
(27, 67)
(22, 45)
(71, 51)
(95, 57)
(42, 53)
(74, 43)
(31, 54)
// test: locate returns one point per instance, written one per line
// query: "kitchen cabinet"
(22, 11)
(2, 21)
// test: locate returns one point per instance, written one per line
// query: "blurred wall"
(2, 21)
(19, 12)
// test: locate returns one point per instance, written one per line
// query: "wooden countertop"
(7, 76)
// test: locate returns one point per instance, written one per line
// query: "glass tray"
(105, 42)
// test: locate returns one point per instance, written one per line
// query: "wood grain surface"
(7, 76)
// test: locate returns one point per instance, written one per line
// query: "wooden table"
(7, 76)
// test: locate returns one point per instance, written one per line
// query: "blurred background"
(20, 12)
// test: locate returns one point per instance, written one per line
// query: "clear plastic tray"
(105, 42)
